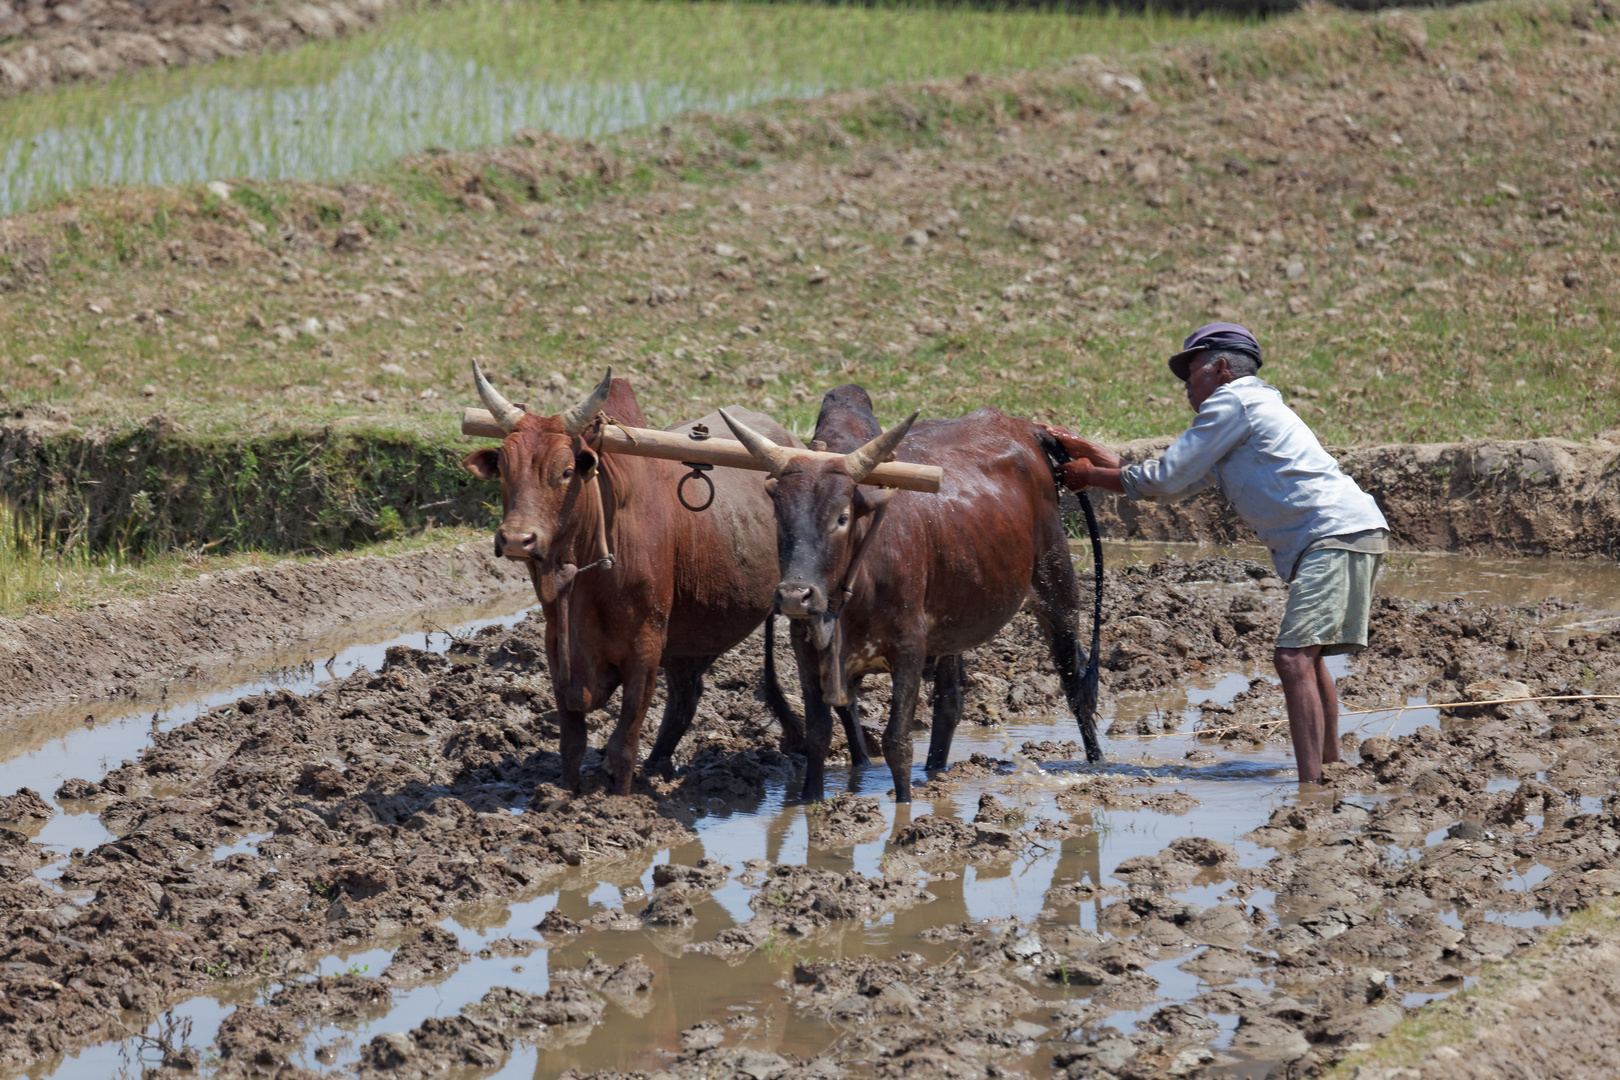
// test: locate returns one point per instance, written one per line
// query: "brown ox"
(630, 581)
(884, 580)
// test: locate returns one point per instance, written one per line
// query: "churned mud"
(388, 876)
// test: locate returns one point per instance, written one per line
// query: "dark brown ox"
(630, 580)
(885, 580)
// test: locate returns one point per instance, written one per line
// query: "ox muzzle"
(520, 541)
(798, 600)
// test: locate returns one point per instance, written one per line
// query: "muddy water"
(40, 750)
(1235, 793)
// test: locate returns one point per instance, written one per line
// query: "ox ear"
(585, 463)
(770, 486)
(484, 464)
(869, 500)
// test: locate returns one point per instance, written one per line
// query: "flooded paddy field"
(471, 74)
(377, 870)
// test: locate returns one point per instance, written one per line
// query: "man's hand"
(1081, 474)
(1083, 449)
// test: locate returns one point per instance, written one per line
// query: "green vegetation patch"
(136, 490)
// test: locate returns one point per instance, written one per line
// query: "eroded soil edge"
(110, 652)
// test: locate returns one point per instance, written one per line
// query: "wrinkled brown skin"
(685, 586)
(944, 573)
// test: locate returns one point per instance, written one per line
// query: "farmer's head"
(1213, 356)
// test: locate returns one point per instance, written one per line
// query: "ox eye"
(568, 473)
(843, 519)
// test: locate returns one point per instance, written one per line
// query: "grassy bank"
(134, 490)
(1416, 212)
(47, 573)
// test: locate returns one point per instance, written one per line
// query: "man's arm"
(1083, 449)
(1081, 474)
(1187, 465)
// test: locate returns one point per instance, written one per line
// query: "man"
(1326, 535)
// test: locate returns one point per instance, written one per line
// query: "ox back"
(683, 586)
(933, 574)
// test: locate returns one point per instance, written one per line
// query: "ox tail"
(792, 723)
(1089, 677)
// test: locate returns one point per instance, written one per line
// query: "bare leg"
(1330, 711)
(1297, 668)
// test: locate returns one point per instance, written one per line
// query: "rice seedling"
(468, 75)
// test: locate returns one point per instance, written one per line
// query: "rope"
(1200, 732)
(1493, 701)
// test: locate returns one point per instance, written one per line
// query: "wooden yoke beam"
(716, 450)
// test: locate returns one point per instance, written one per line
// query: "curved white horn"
(858, 464)
(774, 458)
(506, 414)
(575, 419)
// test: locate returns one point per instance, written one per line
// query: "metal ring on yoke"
(698, 470)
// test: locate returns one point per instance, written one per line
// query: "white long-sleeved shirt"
(1268, 464)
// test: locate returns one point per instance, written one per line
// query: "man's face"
(1203, 379)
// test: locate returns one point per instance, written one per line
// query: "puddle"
(43, 749)
(1235, 794)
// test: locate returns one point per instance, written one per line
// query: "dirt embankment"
(1537, 497)
(58, 41)
(216, 618)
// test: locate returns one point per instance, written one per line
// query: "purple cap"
(1217, 335)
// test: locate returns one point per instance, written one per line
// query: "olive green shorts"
(1328, 601)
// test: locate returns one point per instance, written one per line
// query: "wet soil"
(194, 632)
(1179, 909)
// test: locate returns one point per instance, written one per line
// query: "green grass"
(467, 74)
(43, 571)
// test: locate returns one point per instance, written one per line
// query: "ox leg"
(571, 744)
(683, 682)
(851, 716)
(1057, 609)
(640, 680)
(907, 676)
(818, 716)
(947, 711)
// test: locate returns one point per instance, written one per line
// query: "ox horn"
(575, 419)
(858, 464)
(506, 414)
(774, 458)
